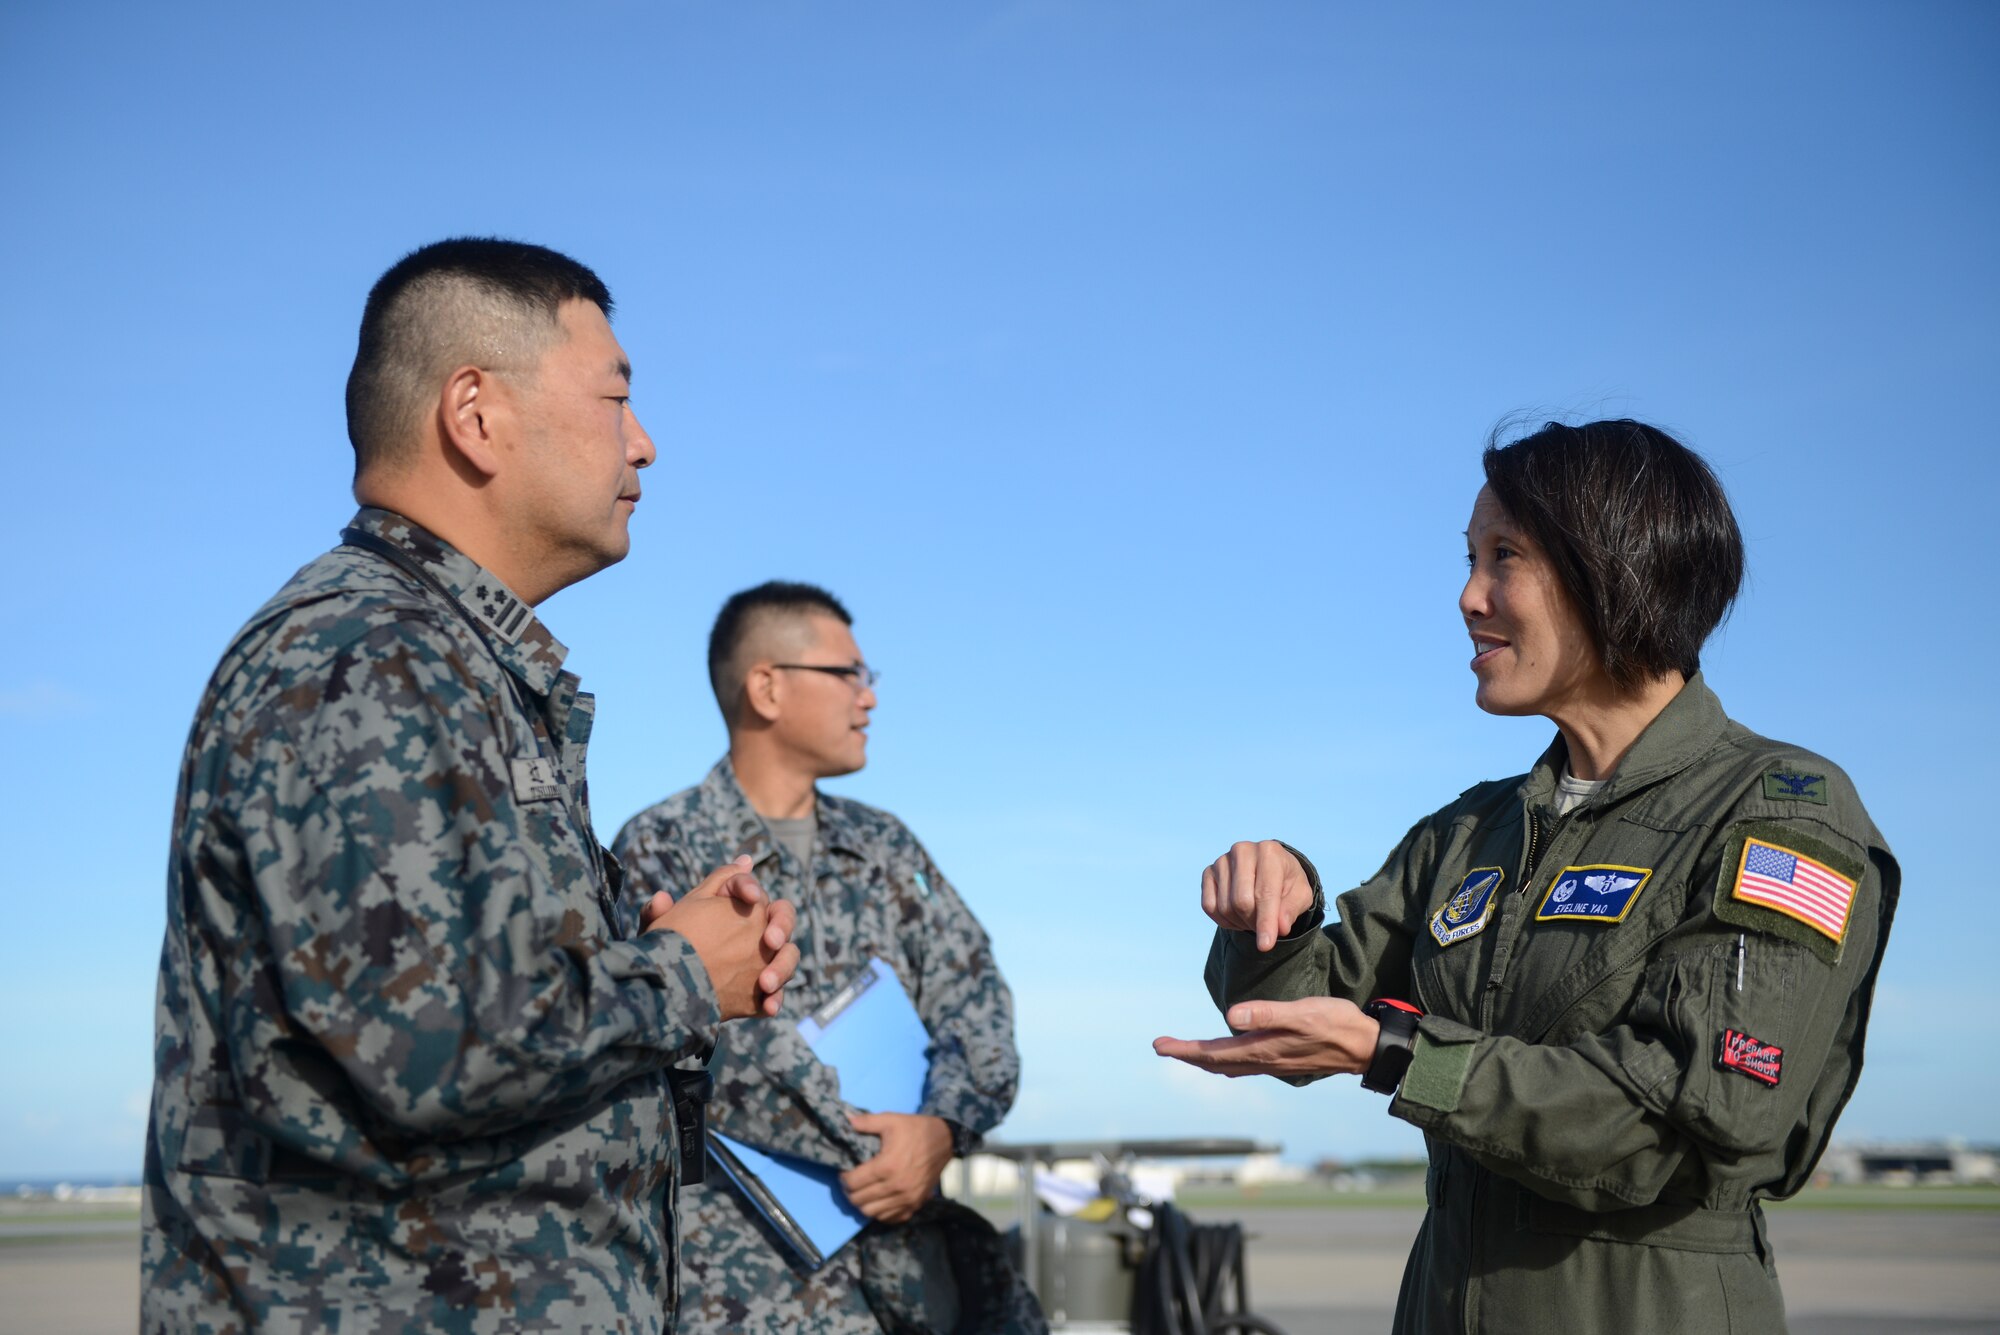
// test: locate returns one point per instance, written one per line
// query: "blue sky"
(1124, 367)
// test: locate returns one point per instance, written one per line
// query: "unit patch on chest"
(1470, 907)
(1597, 893)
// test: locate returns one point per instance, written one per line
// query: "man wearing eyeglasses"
(796, 696)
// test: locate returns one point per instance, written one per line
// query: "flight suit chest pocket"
(1454, 952)
(1592, 916)
(1470, 902)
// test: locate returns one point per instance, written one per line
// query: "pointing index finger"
(1270, 904)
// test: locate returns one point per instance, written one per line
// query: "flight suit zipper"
(1534, 853)
(1511, 924)
(1494, 978)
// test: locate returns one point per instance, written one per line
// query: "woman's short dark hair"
(1639, 532)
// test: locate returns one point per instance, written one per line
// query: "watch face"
(1386, 1011)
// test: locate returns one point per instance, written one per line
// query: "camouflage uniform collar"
(745, 830)
(1688, 727)
(837, 827)
(518, 637)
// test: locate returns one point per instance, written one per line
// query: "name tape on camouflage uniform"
(535, 779)
(1786, 881)
(1470, 908)
(1600, 892)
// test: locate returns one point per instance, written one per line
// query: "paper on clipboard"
(876, 1042)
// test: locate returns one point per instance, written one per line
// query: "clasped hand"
(744, 940)
(904, 1173)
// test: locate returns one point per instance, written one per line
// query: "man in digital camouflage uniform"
(410, 1070)
(796, 697)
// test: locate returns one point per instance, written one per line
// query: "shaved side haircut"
(470, 301)
(751, 616)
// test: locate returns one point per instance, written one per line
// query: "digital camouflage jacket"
(872, 891)
(1641, 1020)
(409, 1070)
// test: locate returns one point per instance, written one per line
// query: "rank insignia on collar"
(1749, 1056)
(507, 615)
(1470, 907)
(1598, 893)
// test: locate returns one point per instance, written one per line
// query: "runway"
(1845, 1272)
(1331, 1271)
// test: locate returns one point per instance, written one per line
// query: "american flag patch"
(1776, 878)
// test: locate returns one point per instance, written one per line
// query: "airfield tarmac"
(1315, 1271)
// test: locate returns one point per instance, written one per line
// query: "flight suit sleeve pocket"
(1658, 1067)
(1731, 1013)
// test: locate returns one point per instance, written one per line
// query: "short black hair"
(1639, 532)
(469, 300)
(741, 614)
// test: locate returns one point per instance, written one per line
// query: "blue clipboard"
(877, 1044)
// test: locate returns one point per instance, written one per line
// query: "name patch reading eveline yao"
(1600, 893)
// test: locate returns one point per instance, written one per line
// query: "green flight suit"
(1610, 1080)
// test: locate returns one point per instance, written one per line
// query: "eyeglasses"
(860, 676)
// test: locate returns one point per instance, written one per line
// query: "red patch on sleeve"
(1752, 1057)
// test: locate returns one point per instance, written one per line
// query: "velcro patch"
(1761, 911)
(1597, 893)
(1787, 881)
(1792, 786)
(1749, 1056)
(1470, 907)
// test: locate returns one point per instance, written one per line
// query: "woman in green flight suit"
(1624, 994)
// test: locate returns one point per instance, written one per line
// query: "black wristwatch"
(1394, 1045)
